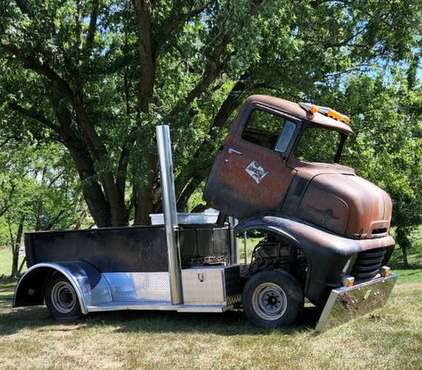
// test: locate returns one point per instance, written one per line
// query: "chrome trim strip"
(234, 151)
(158, 306)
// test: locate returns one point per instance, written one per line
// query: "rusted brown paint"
(232, 186)
(250, 193)
(345, 204)
(329, 196)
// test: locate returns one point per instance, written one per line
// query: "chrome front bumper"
(345, 304)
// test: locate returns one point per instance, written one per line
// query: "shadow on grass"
(400, 266)
(228, 323)
(7, 284)
(411, 271)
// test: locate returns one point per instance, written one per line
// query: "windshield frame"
(310, 125)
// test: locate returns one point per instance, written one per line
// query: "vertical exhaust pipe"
(170, 211)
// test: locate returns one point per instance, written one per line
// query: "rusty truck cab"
(321, 222)
(258, 160)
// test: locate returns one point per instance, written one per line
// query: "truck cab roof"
(294, 109)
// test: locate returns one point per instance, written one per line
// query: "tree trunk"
(15, 248)
(147, 57)
(145, 194)
(91, 189)
(84, 163)
(98, 150)
(402, 237)
(21, 266)
(144, 205)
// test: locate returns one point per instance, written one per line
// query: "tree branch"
(124, 162)
(30, 62)
(6, 205)
(55, 178)
(56, 219)
(212, 70)
(33, 114)
(175, 21)
(215, 63)
(189, 179)
(24, 7)
(143, 11)
(92, 25)
(5, 141)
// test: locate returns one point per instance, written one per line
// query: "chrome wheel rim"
(63, 297)
(269, 301)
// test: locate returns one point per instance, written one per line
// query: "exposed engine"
(272, 253)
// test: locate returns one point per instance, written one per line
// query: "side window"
(268, 130)
(285, 137)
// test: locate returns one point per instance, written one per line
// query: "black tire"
(61, 299)
(272, 299)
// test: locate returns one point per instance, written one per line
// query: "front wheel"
(272, 299)
(61, 299)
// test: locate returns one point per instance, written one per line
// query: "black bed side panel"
(125, 249)
(131, 249)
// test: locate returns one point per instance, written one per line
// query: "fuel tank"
(343, 203)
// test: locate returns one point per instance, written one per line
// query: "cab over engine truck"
(320, 233)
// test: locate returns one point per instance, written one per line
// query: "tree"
(98, 75)
(386, 147)
(38, 192)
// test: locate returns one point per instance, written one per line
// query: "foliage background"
(83, 84)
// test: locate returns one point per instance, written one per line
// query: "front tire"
(61, 299)
(272, 299)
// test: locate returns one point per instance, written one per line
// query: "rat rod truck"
(320, 233)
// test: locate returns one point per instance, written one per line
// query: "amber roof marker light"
(312, 109)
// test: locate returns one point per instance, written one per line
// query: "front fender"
(88, 283)
(326, 253)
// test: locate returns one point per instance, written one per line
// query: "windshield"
(319, 145)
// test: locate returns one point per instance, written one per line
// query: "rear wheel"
(272, 299)
(61, 299)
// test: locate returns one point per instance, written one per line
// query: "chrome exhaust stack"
(168, 195)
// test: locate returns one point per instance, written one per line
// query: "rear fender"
(88, 283)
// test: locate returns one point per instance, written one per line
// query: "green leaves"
(73, 74)
(386, 118)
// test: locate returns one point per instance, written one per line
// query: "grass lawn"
(5, 261)
(388, 338)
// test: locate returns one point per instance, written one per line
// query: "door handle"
(234, 151)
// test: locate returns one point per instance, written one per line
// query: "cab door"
(250, 174)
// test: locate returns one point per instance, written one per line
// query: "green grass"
(413, 275)
(5, 261)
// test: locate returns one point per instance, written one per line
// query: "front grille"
(368, 263)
